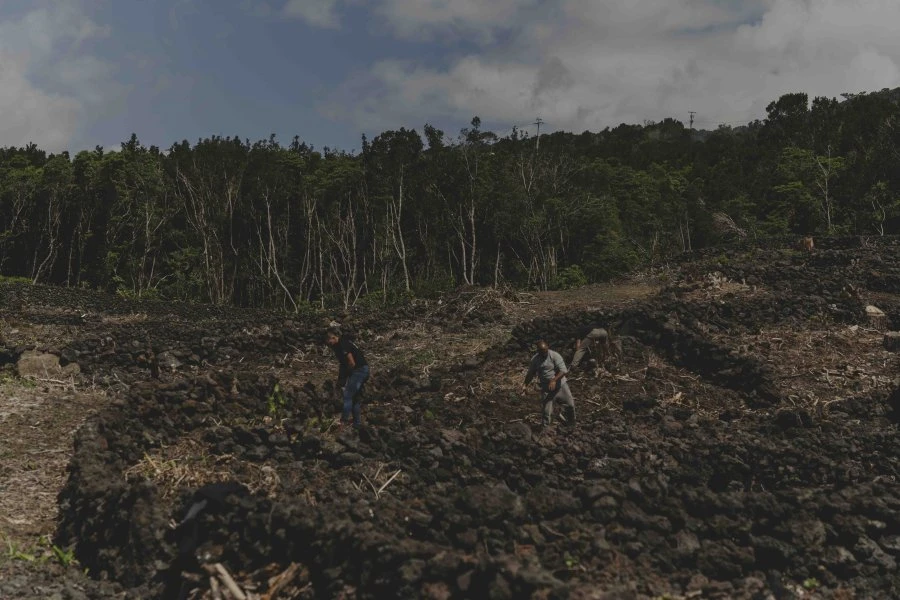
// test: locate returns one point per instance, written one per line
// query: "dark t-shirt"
(342, 349)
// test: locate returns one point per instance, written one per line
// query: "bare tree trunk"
(826, 171)
(497, 268)
(882, 216)
(395, 215)
(473, 244)
(54, 218)
(464, 256)
(273, 254)
(344, 263)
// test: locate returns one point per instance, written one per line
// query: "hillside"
(741, 445)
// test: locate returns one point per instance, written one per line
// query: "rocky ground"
(741, 443)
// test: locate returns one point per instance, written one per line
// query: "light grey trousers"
(598, 339)
(563, 395)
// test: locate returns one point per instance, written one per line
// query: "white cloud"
(48, 85)
(28, 114)
(318, 13)
(588, 64)
(466, 18)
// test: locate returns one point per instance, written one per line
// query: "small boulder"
(892, 341)
(520, 431)
(38, 365)
(876, 317)
(472, 362)
(492, 503)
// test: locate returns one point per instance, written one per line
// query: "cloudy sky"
(77, 73)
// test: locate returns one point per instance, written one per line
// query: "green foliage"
(570, 277)
(292, 228)
(131, 294)
(433, 286)
(42, 551)
(12, 378)
(881, 206)
(306, 308)
(811, 584)
(395, 297)
(14, 279)
(64, 556)
(15, 553)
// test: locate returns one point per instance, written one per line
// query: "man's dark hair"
(335, 331)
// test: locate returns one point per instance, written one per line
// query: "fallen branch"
(386, 483)
(624, 377)
(279, 582)
(372, 485)
(59, 382)
(233, 587)
(548, 530)
(214, 588)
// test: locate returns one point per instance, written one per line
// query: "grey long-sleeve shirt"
(546, 367)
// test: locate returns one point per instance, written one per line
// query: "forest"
(264, 224)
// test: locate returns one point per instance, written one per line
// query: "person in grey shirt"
(596, 342)
(551, 371)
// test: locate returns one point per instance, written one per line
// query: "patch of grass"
(13, 552)
(320, 425)
(15, 279)
(7, 378)
(64, 557)
(571, 561)
(42, 551)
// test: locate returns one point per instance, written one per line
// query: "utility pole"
(537, 143)
(692, 118)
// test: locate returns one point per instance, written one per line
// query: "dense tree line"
(266, 224)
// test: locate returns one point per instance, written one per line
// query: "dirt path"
(37, 427)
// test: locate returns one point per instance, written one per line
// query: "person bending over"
(551, 371)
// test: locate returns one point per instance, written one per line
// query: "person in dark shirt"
(352, 374)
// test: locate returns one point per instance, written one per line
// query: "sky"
(75, 74)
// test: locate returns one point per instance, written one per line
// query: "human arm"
(532, 370)
(560, 367)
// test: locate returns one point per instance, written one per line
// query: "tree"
(394, 161)
(885, 206)
(810, 180)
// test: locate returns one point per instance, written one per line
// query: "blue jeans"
(354, 383)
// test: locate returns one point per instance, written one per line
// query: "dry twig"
(233, 587)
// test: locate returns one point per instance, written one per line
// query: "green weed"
(276, 401)
(43, 551)
(14, 553)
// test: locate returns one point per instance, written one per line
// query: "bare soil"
(741, 443)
